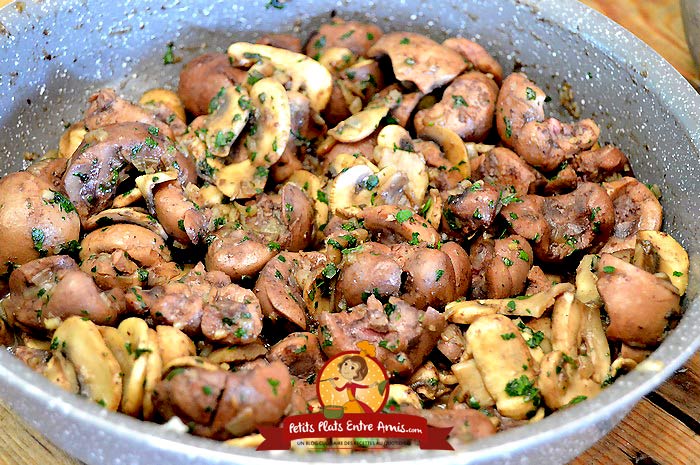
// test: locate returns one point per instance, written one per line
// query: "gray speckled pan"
(53, 54)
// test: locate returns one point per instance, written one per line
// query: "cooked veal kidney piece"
(200, 254)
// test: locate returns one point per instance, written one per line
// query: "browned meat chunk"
(54, 287)
(99, 164)
(545, 145)
(500, 267)
(563, 224)
(207, 303)
(466, 108)
(598, 165)
(403, 335)
(106, 108)
(505, 169)
(221, 404)
(469, 209)
(467, 424)
(301, 353)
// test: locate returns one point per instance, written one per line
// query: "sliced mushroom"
(506, 367)
(472, 383)
(359, 125)
(673, 259)
(586, 279)
(97, 369)
(219, 129)
(135, 334)
(71, 139)
(466, 312)
(307, 75)
(641, 306)
(418, 59)
(561, 382)
(237, 354)
(403, 395)
(133, 215)
(568, 318)
(477, 55)
(311, 184)
(273, 122)
(173, 344)
(425, 381)
(61, 372)
(596, 343)
(451, 144)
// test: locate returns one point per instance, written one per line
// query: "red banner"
(359, 425)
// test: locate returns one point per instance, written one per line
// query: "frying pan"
(53, 54)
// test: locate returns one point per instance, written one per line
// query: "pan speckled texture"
(55, 53)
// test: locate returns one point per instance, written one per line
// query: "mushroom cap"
(203, 77)
(35, 220)
(418, 59)
(639, 304)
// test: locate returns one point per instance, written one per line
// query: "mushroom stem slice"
(561, 382)
(273, 122)
(223, 126)
(98, 371)
(473, 384)
(453, 146)
(360, 125)
(673, 259)
(506, 367)
(466, 312)
(241, 180)
(307, 75)
(586, 280)
(567, 320)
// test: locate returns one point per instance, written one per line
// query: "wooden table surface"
(664, 428)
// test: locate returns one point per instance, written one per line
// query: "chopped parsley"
(508, 336)
(522, 386)
(509, 128)
(530, 93)
(458, 101)
(609, 269)
(403, 215)
(169, 57)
